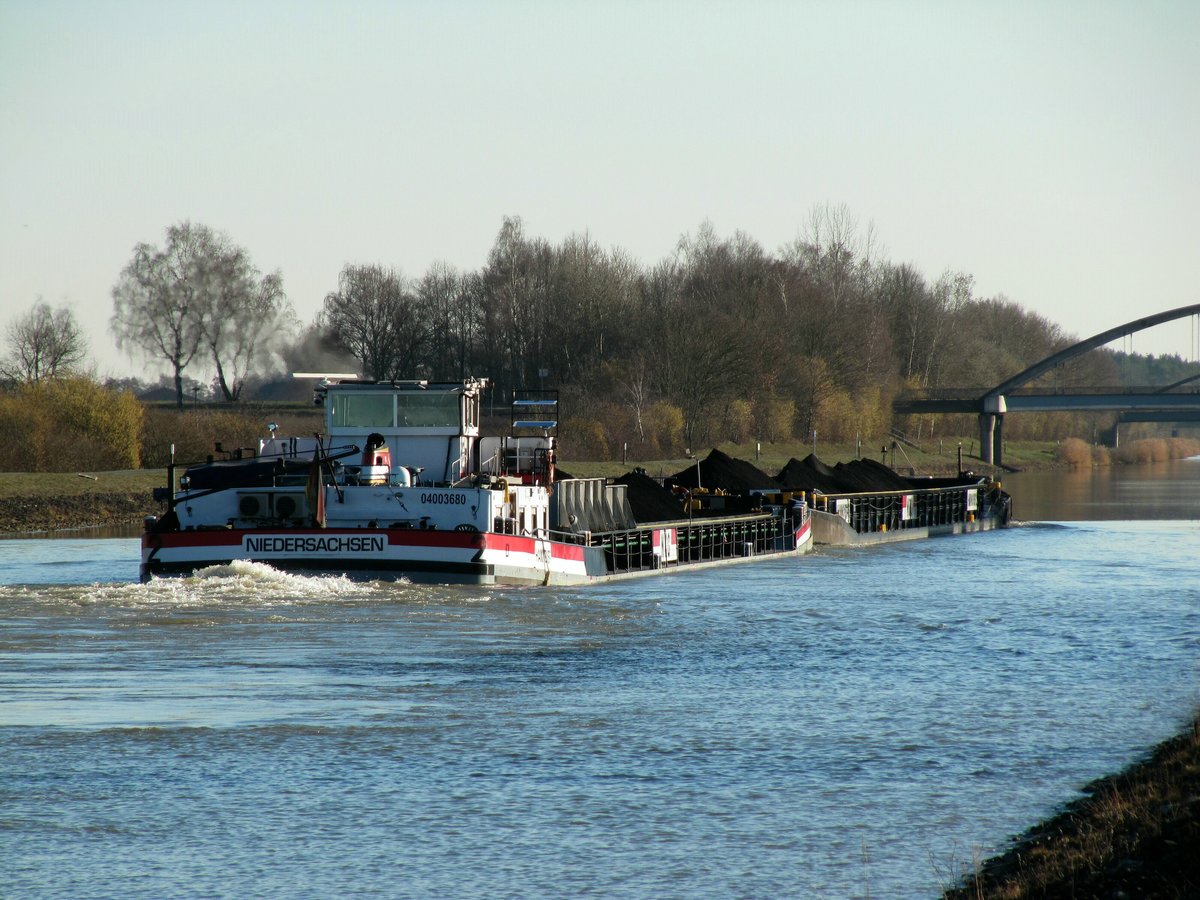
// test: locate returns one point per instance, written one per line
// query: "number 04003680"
(445, 499)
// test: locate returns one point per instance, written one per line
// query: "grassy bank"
(1135, 834)
(41, 501)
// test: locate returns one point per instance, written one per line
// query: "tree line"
(720, 340)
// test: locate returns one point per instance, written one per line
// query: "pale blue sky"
(1052, 150)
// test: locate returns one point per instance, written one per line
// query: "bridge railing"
(961, 393)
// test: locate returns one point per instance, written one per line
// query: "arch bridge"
(1150, 405)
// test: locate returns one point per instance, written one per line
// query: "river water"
(850, 724)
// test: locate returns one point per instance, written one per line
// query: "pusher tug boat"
(402, 485)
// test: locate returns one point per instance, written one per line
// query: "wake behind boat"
(402, 484)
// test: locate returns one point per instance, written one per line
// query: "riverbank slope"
(1134, 835)
(37, 501)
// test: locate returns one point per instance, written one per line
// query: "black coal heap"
(721, 471)
(649, 500)
(859, 476)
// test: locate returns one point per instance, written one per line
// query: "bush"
(195, 432)
(836, 418)
(1144, 451)
(1184, 448)
(873, 412)
(841, 416)
(584, 439)
(775, 418)
(1073, 452)
(664, 429)
(69, 424)
(739, 421)
(1151, 450)
(22, 422)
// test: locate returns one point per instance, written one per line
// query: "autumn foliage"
(69, 424)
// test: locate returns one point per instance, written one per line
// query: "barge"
(402, 484)
(967, 506)
(865, 502)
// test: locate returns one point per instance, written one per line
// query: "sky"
(1051, 150)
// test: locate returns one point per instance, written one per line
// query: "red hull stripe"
(512, 543)
(225, 537)
(571, 552)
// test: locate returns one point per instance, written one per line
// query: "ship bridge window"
(427, 410)
(361, 410)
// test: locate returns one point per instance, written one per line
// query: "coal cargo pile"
(860, 476)
(810, 474)
(720, 471)
(870, 477)
(885, 474)
(649, 500)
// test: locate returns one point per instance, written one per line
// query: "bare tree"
(451, 300)
(952, 294)
(198, 293)
(634, 383)
(244, 318)
(377, 317)
(515, 306)
(590, 301)
(913, 309)
(43, 343)
(154, 303)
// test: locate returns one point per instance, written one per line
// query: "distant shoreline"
(33, 502)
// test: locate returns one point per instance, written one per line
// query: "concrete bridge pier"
(991, 430)
(987, 432)
(991, 438)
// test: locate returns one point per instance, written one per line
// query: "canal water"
(855, 723)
